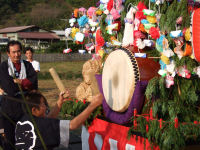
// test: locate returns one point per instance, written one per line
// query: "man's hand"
(1, 91)
(62, 99)
(18, 81)
(56, 109)
(97, 100)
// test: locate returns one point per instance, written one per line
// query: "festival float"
(145, 62)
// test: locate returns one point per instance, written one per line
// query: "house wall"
(11, 36)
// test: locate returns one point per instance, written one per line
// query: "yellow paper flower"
(74, 31)
(165, 59)
(151, 19)
(101, 52)
(99, 12)
(187, 34)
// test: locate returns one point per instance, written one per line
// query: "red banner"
(103, 135)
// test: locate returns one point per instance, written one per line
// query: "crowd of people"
(23, 118)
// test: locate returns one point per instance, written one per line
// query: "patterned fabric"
(54, 133)
(14, 73)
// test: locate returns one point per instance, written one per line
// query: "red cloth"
(118, 27)
(113, 132)
(26, 84)
(17, 66)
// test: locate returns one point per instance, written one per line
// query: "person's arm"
(56, 109)
(37, 68)
(24, 83)
(80, 119)
(1, 91)
(6, 81)
(31, 81)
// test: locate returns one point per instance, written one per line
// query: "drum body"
(120, 75)
(196, 34)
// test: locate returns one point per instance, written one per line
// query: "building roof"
(15, 29)
(38, 35)
(59, 32)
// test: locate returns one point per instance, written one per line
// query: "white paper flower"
(67, 32)
(140, 44)
(168, 52)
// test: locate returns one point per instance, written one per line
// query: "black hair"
(33, 99)
(28, 49)
(12, 43)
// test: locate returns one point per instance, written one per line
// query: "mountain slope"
(44, 13)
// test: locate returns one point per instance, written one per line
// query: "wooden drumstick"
(153, 57)
(57, 80)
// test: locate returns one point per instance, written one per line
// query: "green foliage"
(56, 47)
(168, 137)
(127, 2)
(185, 61)
(180, 100)
(43, 13)
(182, 10)
(81, 3)
(171, 16)
(103, 25)
(72, 108)
(170, 12)
(2, 48)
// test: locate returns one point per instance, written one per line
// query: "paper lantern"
(196, 34)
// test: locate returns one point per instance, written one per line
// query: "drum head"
(119, 79)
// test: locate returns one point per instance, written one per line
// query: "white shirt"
(36, 65)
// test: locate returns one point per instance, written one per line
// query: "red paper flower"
(84, 101)
(154, 32)
(140, 15)
(76, 101)
(110, 5)
(99, 39)
(77, 42)
(139, 34)
(141, 6)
